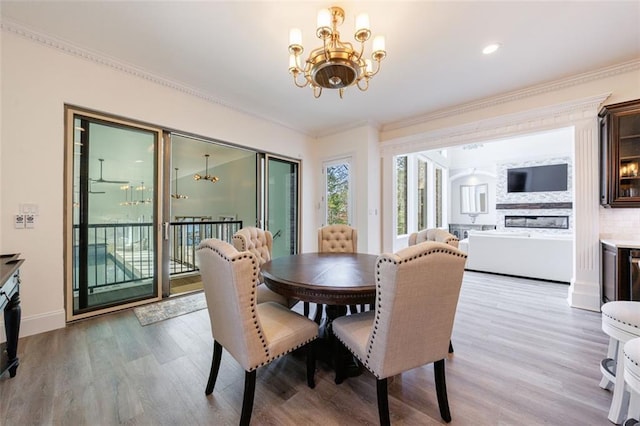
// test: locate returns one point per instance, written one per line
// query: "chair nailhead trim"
(279, 355)
(633, 361)
(620, 321)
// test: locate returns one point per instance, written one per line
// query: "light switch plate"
(18, 221)
(29, 221)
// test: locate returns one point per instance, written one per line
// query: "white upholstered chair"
(336, 239)
(621, 322)
(254, 334)
(437, 235)
(632, 379)
(417, 292)
(260, 243)
(434, 234)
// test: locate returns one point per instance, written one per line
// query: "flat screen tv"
(537, 178)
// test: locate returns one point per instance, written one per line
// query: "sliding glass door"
(282, 204)
(213, 195)
(140, 199)
(112, 221)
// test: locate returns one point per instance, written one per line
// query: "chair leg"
(247, 401)
(383, 402)
(353, 309)
(311, 363)
(441, 390)
(305, 307)
(339, 351)
(450, 347)
(318, 316)
(215, 366)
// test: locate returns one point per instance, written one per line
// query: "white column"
(584, 291)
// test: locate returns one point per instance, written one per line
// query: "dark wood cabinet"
(620, 155)
(616, 273)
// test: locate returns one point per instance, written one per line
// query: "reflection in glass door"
(282, 204)
(111, 238)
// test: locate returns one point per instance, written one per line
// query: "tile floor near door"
(522, 357)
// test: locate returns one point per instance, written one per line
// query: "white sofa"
(523, 254)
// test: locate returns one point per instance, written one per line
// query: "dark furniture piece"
(620, 155)
(620, 280)
(336, 280)
(10, 304)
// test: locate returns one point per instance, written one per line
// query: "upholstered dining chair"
(260, 243)
(434, 234)
(438, 235)
(254, 334)
(417, 292)
(336, 239)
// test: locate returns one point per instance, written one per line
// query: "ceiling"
(235, 53)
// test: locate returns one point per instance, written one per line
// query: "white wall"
(37, 81)
(361, 144)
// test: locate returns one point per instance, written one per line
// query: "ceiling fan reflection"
(102, 180)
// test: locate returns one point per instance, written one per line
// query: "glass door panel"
(213, 194)
(113, 220)
(282, 207)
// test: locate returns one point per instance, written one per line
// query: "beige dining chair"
(254, 334)
(417, 291)
(260, 243)
(438, 235)
(434, 234)
(336, 239)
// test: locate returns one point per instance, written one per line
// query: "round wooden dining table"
(334, 279)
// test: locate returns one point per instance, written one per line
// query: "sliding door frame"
(158, 202)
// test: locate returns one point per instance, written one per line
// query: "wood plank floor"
(522, 357)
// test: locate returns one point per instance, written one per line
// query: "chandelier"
(206, 176)
(177, 195)
(336, 64)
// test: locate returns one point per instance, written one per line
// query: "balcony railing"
(123, 253)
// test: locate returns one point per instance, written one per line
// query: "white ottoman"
(621, 322)
(632, 379)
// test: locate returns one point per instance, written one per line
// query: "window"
(401, 186)
(438, 197)
(422, 194)
(338, 192)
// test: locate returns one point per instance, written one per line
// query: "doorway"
(140, 199)
(111, 215)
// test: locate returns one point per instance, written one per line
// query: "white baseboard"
(36, 324)
(584, 296)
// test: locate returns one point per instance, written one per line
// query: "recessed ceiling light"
(491, 48)
(139, 161)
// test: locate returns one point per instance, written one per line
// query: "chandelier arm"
(361, 51)
(295, 80)
(317, 93)
(378, 66)
(366, 86)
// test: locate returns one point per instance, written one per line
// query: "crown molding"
(101, 59)
(534, 120)
(613, 70)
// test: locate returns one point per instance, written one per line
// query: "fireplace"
(537, 221)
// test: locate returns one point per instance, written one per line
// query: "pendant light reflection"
(207, 176)
(177, 195)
